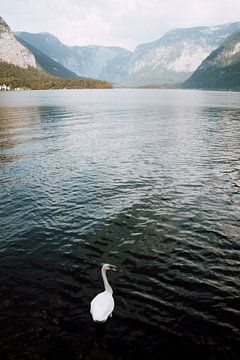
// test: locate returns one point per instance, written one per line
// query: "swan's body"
(102, 305)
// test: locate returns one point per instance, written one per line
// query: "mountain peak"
(11, 51)
(3, 25)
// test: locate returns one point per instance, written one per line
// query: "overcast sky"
(124, 23)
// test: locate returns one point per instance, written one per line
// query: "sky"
(125, 23)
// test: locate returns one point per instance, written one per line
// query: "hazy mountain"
(98, 62)
(176, 55)
(53, 48)
(103, 62)
(170, 59)
(48, 64)
(12, 51)
(221, 69)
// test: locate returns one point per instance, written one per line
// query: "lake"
(148, 180)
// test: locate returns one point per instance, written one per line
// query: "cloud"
(118, 22)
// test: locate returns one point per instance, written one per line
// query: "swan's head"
(109, 267)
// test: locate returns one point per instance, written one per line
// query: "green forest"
(36, 79)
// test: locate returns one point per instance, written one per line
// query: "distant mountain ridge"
(221, 69)
(19, 68)
(201, 57)
(176, 55)
(97, 62)
(48, 64)
(170, 59)
(103, 62)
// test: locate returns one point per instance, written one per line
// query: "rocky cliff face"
(176, 55)
(11, 51)
(221, 69)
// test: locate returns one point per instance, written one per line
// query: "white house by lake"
(4, 87)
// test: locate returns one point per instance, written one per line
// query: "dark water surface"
(148, 180)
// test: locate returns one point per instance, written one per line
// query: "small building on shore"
(4, 87)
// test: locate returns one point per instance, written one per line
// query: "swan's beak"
(110, 267)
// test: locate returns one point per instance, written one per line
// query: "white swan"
(103, 304)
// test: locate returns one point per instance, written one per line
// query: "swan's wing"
(102, 306)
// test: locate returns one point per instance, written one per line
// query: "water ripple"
(147, 180)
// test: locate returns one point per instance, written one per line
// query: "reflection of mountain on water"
(14, 131)
(22, 126)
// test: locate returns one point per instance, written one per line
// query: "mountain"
(169, 60)
(103, 62)
(100, 62)
(11, 51)
(49, 45)
(176, 55)
(221, 69)
(48, 64)
(17, 52)
(20, 69)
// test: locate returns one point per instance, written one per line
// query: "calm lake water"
(148, 180)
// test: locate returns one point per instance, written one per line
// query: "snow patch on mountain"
(236, 49)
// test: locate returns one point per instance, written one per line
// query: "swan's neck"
(105, 281)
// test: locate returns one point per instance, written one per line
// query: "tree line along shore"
(14, 77)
